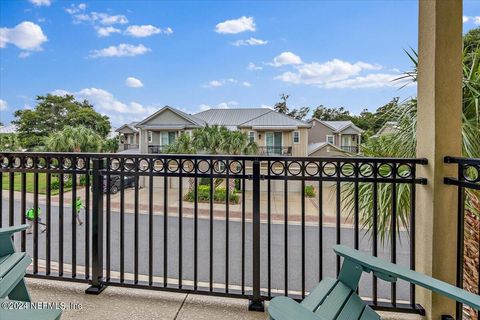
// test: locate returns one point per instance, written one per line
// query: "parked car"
(115, 185)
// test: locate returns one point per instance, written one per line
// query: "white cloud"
(73, 9)
(246, 84)
(474, 19)
(373, 80)
(133, 82)
(146, 31)
(24, 54)
(253, 66)
(40, 3)
(219, 83)
(340, 74)
(3, 105)
(285, 58)
(236, 25)
(122, 50)
(221, 105)
(106, 31)
(250, 42)
(106, 19)
(105, 102)
(26, 36)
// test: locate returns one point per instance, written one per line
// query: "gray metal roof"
(338, 126)
(193, 119)
(230, 117)
(275, 119)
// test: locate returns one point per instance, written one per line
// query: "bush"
(204, 181)
(219, 195)
(309, 191)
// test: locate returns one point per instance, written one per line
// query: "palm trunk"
(471, 252)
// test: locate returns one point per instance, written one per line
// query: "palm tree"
(74, 139)
(402, 144)
(184, 145)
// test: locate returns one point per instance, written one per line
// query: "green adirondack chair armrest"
(284, 308)
(391, 272)
(11, 230)
(6, 243)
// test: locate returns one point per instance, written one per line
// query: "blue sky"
(130, 58)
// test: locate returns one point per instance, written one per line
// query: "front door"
(274, 143)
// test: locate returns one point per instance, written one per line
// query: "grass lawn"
(42, 183)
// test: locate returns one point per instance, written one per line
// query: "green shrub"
(204, 181)
(55, 184)
(219, 195)
(309, 191)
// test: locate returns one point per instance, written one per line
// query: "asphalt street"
(277, 251)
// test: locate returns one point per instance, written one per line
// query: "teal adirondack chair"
(13, 266)
(337, 298)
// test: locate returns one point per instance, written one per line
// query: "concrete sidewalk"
(116, 303)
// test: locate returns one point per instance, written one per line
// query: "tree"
(402, 144)
(74, 139)
(52, 114)
(281, 107)
(9, 142)
(110, 145)
(331, 114)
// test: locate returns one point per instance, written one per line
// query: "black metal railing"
(242, 226)
(274, 151)
(156, 148)
(468, 228)
(128, 146)
(351, 149)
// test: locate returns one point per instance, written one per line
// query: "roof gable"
(275, 119)
(338, 126)
(171, 116)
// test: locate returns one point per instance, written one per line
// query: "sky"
(130, 58)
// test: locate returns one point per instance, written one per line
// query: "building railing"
(351, 149)
(128, 146)
(156, 148)
(274, 151)
(468, 228)
(269, 235)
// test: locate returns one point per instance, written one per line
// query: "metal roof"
(230, 117)
(338, 126)
(193, 119)
(274, 119)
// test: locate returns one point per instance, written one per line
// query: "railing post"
(256, 303)
(97, 284)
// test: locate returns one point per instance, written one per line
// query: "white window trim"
(150, 136)
(250, 136)
(293, 137)
(330, 135)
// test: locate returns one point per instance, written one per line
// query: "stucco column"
(438, 135)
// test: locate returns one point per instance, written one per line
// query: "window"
(331, 139)
(167, 138)
(296, 136)
(251, 136)
(150, 136)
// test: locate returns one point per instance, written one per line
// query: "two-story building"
(343, 135)
(274, 133)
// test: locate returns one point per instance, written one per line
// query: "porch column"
(438, 135)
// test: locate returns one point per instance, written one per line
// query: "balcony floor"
(125, 303)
